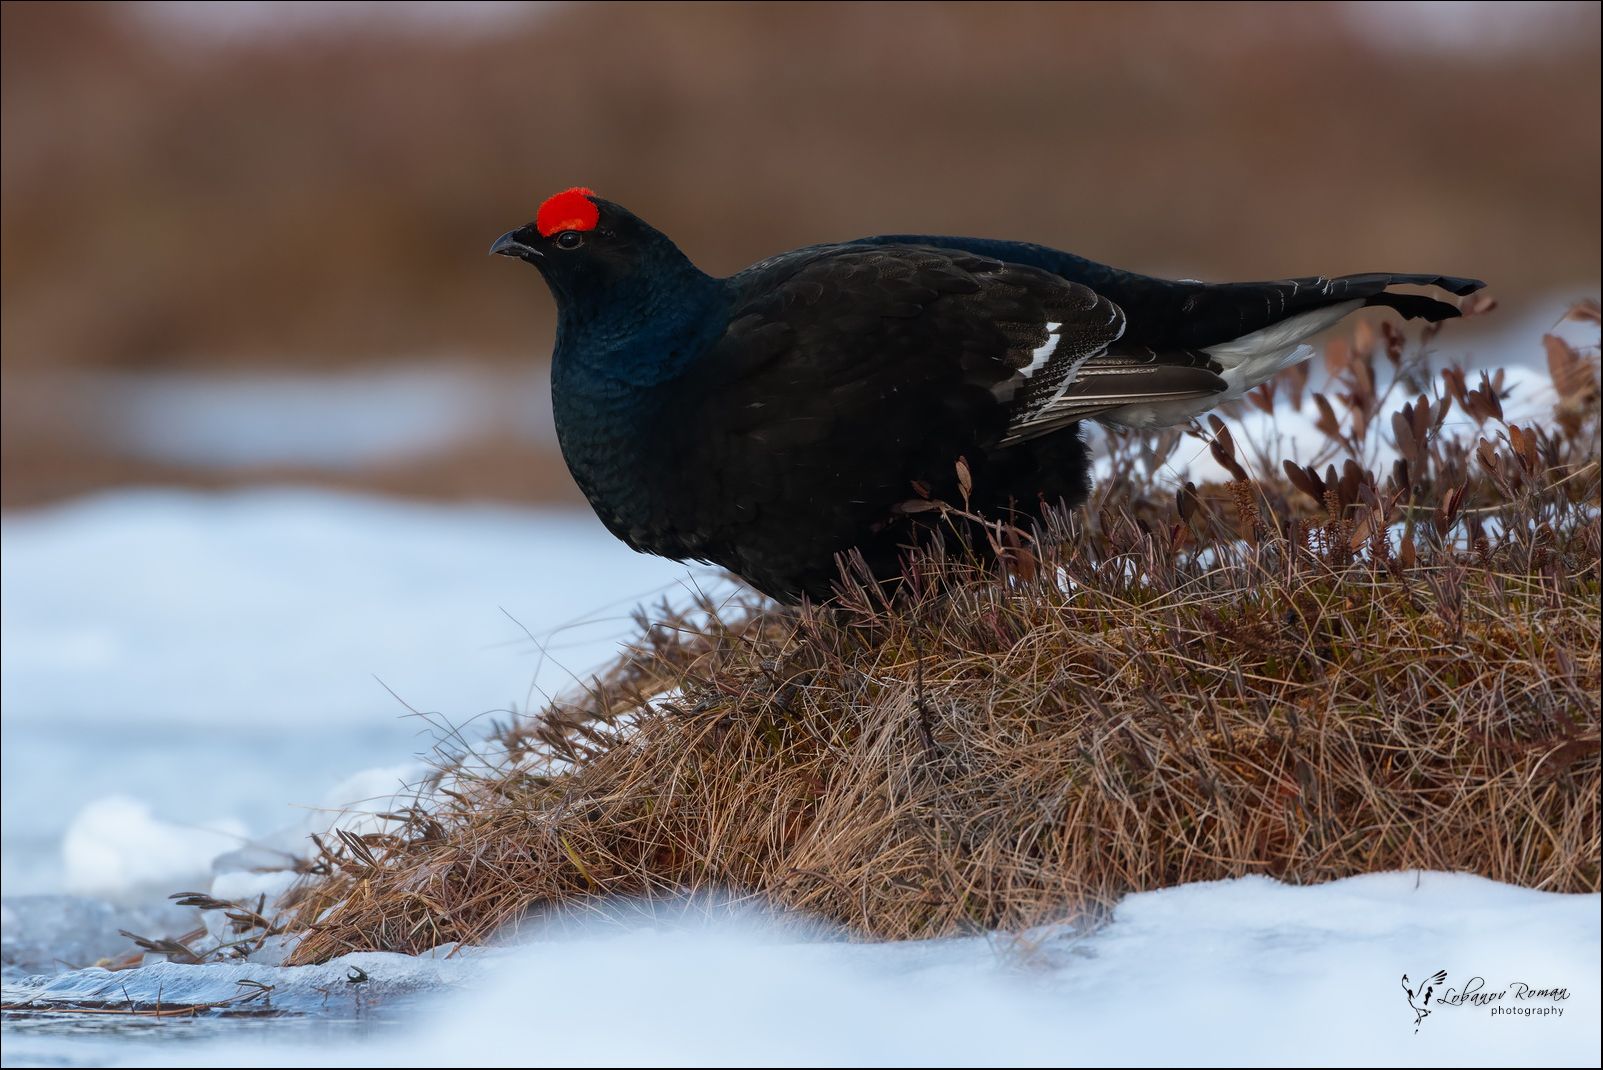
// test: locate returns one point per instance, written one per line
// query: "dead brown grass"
(1307, 677)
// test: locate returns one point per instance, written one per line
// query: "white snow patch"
(245, 886)
(1246, 972)
(232, 656)
(115, 845)
(335, 421)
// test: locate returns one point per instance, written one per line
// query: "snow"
(189, 661)
(283, 605)
(336, 421)
(1242, 972)
(1484, 27)
(115, 843)
(1245, 972)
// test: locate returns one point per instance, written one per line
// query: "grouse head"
(586, 246)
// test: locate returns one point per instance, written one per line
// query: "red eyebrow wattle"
(572, 209)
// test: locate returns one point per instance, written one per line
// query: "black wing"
(850, 379)
(882, 324)
(882, 343)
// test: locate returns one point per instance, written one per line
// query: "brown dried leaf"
(1457, 385)
(1362, 376)
(1400, 475)
(1327, 422)
(1586, 311)
(1295, 379)
(1420, 415)
(1484, 403)
(1223, 448)
(1525, 446)
(1305, 480)
(1408, 443)
(1365, 526)
(1185, 501)
(1338, 354)
(1221, 433)
(1574, 377)
(1364, 337)
(1352, 477)
(1360, 423)
(1493, 394)
(1395, 340)
(1486, 453)
(1447, 511)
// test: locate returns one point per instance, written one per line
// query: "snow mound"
(1249, 972)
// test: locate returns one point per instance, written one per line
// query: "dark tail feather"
(1417, 306)
(1451, 283)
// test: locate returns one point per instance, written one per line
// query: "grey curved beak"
(509, 245)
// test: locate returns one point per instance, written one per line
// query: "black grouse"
(768, 421)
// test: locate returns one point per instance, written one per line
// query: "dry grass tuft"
(1308, 676)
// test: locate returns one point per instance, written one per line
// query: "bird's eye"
(570, 239)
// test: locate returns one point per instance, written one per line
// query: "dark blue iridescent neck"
(638, 331)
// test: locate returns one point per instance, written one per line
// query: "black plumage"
(771, 420)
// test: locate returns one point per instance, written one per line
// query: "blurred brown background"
(248, 242)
